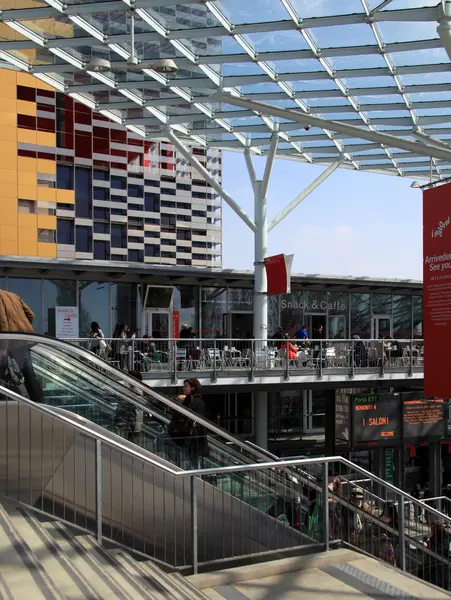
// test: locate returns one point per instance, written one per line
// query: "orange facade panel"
(27, 192)
(65, 196)
(46, 194)
(27, 248)
(27, 221)
(46, 250)
(46, 166)
(46, 222)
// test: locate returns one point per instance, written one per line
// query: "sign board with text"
(376, 420)
(66, 322)
(437, 289)
(424, 420)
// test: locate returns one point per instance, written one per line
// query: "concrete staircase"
(45, 560)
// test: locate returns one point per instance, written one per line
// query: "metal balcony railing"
(219, 357)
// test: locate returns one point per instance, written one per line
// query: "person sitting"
(287, 346)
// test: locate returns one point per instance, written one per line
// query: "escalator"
(77, 381)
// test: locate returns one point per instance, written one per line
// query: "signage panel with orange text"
(376, 420)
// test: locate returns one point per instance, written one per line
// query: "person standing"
(17, 317)
(129, 418)
(98, 345)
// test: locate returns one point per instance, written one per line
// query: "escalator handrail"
(126, 394)
(106, 436)
(174, 406)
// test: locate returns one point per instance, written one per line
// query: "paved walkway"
(355, 580)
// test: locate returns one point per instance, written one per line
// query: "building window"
(93, 305)
(199, 213)
(47, 235)
(152, 202)
(101, 213)
(101, 250)
(119, 257)
(135, 191)
(101, 193)
(168, 255)
(26, 206)
(101, 228)
(101, 175)
(136, 255)
(65, 232)
(168, 242)
(30, 290)
(118, 183)
(152, 250)
(83, 193)
(83, 239)
(152, 234)
(168, 191)
(184, 262)
(118, 236)
(168, 220)
(184, 234)
(64, 177)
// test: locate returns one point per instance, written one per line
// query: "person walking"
(16, 366)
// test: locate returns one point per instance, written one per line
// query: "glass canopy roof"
(374, 66)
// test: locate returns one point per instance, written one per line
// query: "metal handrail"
(143, 455)
(83, 353)
(110, 439)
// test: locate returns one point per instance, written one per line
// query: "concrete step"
(334, 575)
(23, 574)
(95, 564)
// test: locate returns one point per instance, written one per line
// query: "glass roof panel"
(239, 12)
(277, 41)
(323, 8)
(395, 31)
(420, 57)
(334, 67)
(345, 35)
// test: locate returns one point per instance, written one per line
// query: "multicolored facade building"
(75, 185)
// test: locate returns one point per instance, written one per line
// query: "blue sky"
(354, 224)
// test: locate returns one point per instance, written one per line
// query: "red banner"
(278, 274)
(175, 324)
(437, 290)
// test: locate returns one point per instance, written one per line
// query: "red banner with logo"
(437, 290)
(278, 274)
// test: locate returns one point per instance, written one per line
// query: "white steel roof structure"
(371, 78)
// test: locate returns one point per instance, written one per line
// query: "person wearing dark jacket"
(16, 367)
(129, 418)
(186, 433)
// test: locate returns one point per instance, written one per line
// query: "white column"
(260, 248)
(260, 307)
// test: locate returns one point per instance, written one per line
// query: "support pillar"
(260, 248)
(435, 468)
(260, 307)
(261, 419)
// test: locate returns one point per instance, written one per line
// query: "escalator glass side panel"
(62, 376)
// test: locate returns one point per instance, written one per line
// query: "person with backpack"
(16, 365)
